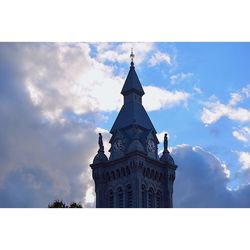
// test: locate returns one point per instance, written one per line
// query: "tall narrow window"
(123, 172)
(118, 173)
(129, 196)
(151, 198)
(158, 199)
(144, 196)
(111, 198)
(127, 171)
(120, 198)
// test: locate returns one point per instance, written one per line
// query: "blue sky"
(56, 97)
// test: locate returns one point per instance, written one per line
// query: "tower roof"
(132, 83)
(132, 111)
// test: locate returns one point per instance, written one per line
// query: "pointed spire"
(132, 83)
(132, 110)
(132, 55)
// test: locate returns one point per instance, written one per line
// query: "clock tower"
(134, 175)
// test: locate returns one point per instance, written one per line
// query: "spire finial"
(132, 55)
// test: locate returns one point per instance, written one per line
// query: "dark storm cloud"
(40, 161)
(201, 181)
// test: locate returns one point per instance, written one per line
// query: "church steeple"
(132, 83)
(133, 176)
(132, 110)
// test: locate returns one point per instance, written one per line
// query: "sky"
(56, 97)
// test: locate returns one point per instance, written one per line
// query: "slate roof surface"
(132, 83)
(132, 111)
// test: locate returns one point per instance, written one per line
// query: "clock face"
(118, 145)
(151, 146)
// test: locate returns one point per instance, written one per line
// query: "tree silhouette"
(61, 204)
(75, 205)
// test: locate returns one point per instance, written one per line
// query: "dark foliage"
(61, 204)
(75, 205)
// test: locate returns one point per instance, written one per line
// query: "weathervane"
(132, 55)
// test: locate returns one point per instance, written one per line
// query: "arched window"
(151, 198)
(127, 170)
(144, 196)
(113, 175)
(160, 178)
(111, 198)
(152, 174)
(158, 199)
(123, 172)
(156, 176)
(120, 198)
(129, 196)
(118, 173)
(108, 176)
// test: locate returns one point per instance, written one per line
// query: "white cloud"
(244, 159)
(242, 134)
(90, 195)
(35, 94)
(177, 78)
(121, 52)
(214, 110)
(156, 98)
(235, 99)
(101, 130)
(160, 57)
(197, 90)
(246, 91)
(62, 76)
